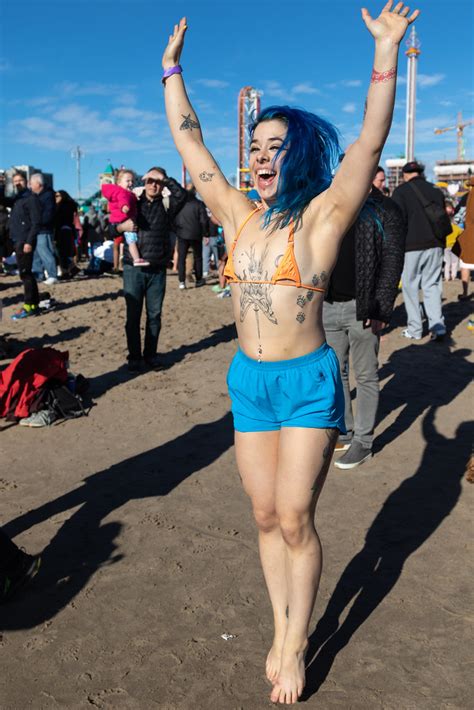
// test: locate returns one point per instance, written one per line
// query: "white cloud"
(124, 128)
(5, 65)
(213, 83)
(424, 131)
(38, 125)
(425, 80)
(305, 88)
(275, 90)
(349, 107)
(72, 88)
(135, 114)
(127, 98)
(348, 83)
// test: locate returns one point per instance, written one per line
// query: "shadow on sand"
(408, 517)
(108, 380)
(14, 347)
(82, 543)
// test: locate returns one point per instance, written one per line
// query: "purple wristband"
(178, 69)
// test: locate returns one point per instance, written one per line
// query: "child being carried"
(123, 206)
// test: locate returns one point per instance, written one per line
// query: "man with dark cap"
(423, 252)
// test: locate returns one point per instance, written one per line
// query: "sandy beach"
(149, 546)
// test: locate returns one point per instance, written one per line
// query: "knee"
(296, 529)
(266, 520)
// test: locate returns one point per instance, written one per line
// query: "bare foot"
(273, 663)
(290, 680)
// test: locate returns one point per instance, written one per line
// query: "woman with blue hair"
(284, 383)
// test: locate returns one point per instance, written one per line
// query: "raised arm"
(352, 182)
(206, 175)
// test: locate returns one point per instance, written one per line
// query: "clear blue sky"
(83, 72)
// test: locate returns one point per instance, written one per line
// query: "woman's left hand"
(390, 25)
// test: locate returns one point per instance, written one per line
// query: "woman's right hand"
(173, 51)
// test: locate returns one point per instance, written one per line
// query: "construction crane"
(459, 128)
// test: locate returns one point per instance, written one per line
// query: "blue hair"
(312, 153)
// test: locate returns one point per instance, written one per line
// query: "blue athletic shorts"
(302, 392)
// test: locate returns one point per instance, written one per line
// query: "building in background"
(393, 173)
(29, 170)
(108, 176)
(454, 172)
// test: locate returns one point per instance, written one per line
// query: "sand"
(149, 549)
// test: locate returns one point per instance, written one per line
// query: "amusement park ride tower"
(413, 52)
(248, 108)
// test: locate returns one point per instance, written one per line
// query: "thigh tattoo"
(332, 435)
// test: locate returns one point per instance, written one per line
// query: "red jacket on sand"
(21, 381)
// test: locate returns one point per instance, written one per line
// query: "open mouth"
(265, 177)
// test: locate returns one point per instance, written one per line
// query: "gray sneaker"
(43, 418)
(354, 456)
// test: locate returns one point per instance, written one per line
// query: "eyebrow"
(273, 138)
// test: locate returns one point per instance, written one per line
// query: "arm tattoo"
(382, 76)
(205, 176)
(189, 123)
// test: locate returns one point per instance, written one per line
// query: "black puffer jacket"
(153, 223)
(379, 257)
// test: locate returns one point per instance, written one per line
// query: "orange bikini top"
(287, 269)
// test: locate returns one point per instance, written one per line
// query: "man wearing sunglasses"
(148, 283)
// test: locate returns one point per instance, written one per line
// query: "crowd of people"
(45, 236)
(341, 292)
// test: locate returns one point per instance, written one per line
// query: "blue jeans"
(44, 258)
(143, 284)
(207, 250)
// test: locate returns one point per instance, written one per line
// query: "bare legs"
(283, 473)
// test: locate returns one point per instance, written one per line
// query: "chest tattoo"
(256, 296)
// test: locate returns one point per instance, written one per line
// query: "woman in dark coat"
(64, 232)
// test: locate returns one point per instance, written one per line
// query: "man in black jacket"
(25, 221)
(148, 282)
(359, 302)
(44, 258)
(191, 226)
(423, 254)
